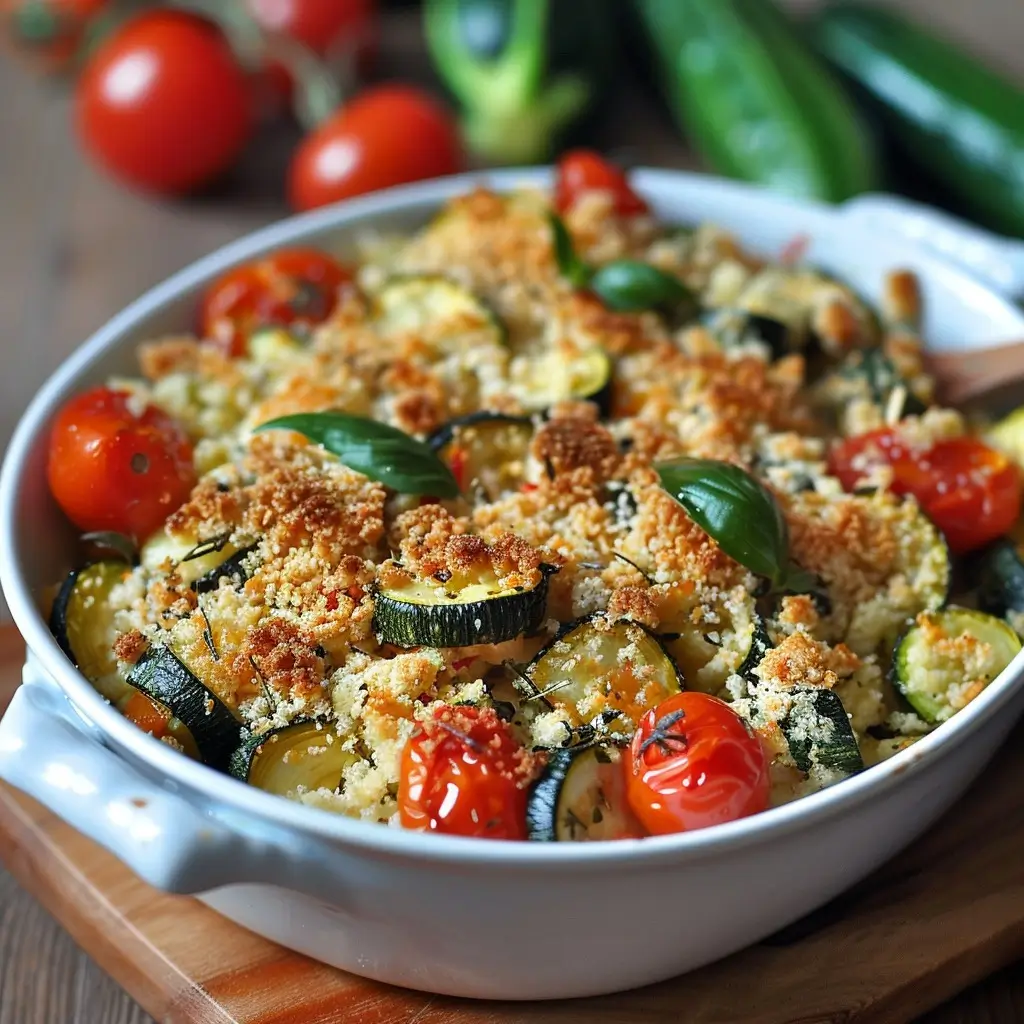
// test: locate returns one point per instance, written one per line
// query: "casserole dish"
(441, 913)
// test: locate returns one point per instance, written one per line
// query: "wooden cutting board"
(941, 916)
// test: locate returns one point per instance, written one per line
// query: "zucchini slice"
(1001, 579)
(597, 669)
(758, 645)
(582, 797)
(82, 621)
(197, 563)
(160, 674)
(947, 658)
(234, 568)
(427, 614)
(485, 450)
(563, 374)
(299, 754)
(874, 375)
(448, 317)
(818, 731)
(733, 328)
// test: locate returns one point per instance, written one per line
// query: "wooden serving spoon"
(966, 377)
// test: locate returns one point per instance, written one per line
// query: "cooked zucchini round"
(300, 754)
(874, 376)
(161, 675)
(582, 796)
(563, 374)
(428, 614)
(234, 568)
(732, 328)
(758, 645)
(485, 450)
(947, 658)
(448, 317)
(197, 563)
(612, 671)
(818, 731)
(1000, 571)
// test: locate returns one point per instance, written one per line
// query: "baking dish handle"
(996, 260)
(168, 841)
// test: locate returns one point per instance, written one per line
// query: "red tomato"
(388, 135)
(583, 170)
(693, 763)
(49, 31)
(113, 467)
(462, 774)
(163, 104)
(297, 287)
(970, 491)
(322, 25)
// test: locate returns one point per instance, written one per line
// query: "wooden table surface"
(74, 248)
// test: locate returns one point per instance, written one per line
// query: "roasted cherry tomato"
(583, 170)
(163, 104)
(693, 763)
(388, 135)
(324, 26)
(49, 32)
(290, 287)
(463, 774)
(970, 491)
(113, 466)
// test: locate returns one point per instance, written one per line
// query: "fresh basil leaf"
(376, 450)
(570, 266)
(630, 286)
(735, 509)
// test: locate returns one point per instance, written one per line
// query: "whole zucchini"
(522, 70)
(949, 112)
(754, 100)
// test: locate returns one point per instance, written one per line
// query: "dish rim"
(196, 781)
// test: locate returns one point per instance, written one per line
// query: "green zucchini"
(1001, 578)
(447, 317)
(758, 645)
(755, 102)
(195, 563)
(161, 675)
(949, 112)
(818, 731)
(432, 614)
(582, 796)
(733, 328)
(235, 568)
(947, 658)
(302, 753)
(611, 672)
(563, 374)
(82, 622)
(874, 376)
(486, 451)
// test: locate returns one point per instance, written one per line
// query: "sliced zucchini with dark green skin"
(948, 657)
(818, 731)
(880, 380)
(485, 450)
(610, 671)
(160, 674)
(303, 753)
(450, 318)
(196, 563)
(1000, 571)
(235, 568)
(558, 376)
(82, 620)
(581, 796)
(759, 645)
(732, 328)
(426, 614)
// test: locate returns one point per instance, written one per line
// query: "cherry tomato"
(693, 763)
(50, 32)
(115, 467)
(296, 287)
(583, 170)
(970, 491)
(461, 774)
(324, 26)
(388, 135)
(163, 104)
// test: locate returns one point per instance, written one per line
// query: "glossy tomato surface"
(322, 25)
(115, 466)
(582, 170)
(693, 763)
(463, 774)
(970, 491)
(388, 135)
(163, 104)
(289, 288)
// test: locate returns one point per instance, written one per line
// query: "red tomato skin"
(267, 292)
(110, 468)
(583, 170)
(163, 105)
(719, 774)
(970, 491)
(321, 25)
(388, 135)
(451, 786)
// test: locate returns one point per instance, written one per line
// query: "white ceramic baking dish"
(445, 914)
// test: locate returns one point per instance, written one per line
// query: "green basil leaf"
(735, 509)
(630, 286)
(570, 266)
(376, 450)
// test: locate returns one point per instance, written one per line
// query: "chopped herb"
(206, 547)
